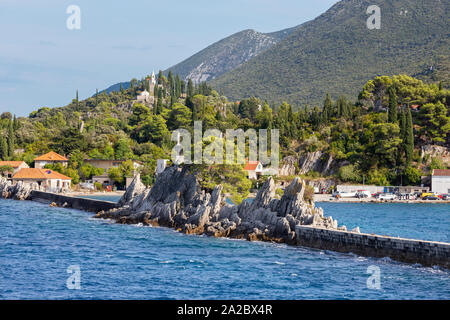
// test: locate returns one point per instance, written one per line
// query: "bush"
(349, 173)
(309, 193)
(412, 176)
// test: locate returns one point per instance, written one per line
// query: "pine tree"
(96, 97)
(11, 140)
(409, 140)
(393, 106)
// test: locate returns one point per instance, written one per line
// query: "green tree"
(179, 117)
(3, 148)
(116, 175)
(11, 140)
(122, 150)
(409, 138)
(393, 106)
(412, 176)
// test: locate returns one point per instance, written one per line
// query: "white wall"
(440, 184)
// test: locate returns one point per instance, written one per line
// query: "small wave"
(294, 275)
(280, 263)
(167, 262)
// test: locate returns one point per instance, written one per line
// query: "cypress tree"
(403, 125)
(190, 88)
(15, 123)
(393, 106)
(328, 107)
(409, 140)
(160, 77)
(11, 140)
(3, 148)
(96, 97)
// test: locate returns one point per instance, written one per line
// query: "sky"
(43, 62)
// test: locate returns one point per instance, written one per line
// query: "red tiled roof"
(51, 156)
(441, 172)
(415, 106)
(34, 173)
(14, 164)
(251, 165)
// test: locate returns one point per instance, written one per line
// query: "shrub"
(349, 173)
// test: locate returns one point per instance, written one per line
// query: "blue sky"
(42, 63)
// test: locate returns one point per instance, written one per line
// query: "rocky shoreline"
(177, 201)
(18, 191)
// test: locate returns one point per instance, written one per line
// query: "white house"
(254, 169)
(48, 180)
(440, 181)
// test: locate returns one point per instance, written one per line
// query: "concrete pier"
(89, 205)
(427, 253)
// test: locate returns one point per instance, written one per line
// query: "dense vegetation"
(376, 138)
(337, 53)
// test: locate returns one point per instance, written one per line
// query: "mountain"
(116, 87)
(337, 53)
(222, 56)
(227, 54)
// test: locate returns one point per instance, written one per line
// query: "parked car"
(431, 198)
(363, 194)
(445, 196)
(387, 196)
(344, 194)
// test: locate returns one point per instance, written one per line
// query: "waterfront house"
(440, 181)
(106, 164)
(47, 180)
(254, 169)
(16, 165)
(50, 158)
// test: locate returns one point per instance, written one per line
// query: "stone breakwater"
(177, 201)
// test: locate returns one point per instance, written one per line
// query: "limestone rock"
(177, 201)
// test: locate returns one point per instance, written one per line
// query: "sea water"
(40, 244)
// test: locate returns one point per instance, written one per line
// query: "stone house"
(50, 158)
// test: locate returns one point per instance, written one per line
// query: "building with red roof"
(254, 169)
(50, 158)
(46, 179)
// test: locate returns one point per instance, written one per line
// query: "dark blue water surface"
(38, 243)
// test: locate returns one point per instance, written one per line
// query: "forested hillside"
(378, 138)
(337, 53)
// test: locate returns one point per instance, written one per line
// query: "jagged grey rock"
(178, 201)
(19, 191)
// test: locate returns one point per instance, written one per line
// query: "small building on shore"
(440, 181)
(50, 158)
(16, 165)
(254, 169)
(47, 180)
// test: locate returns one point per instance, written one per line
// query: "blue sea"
(39, 243)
